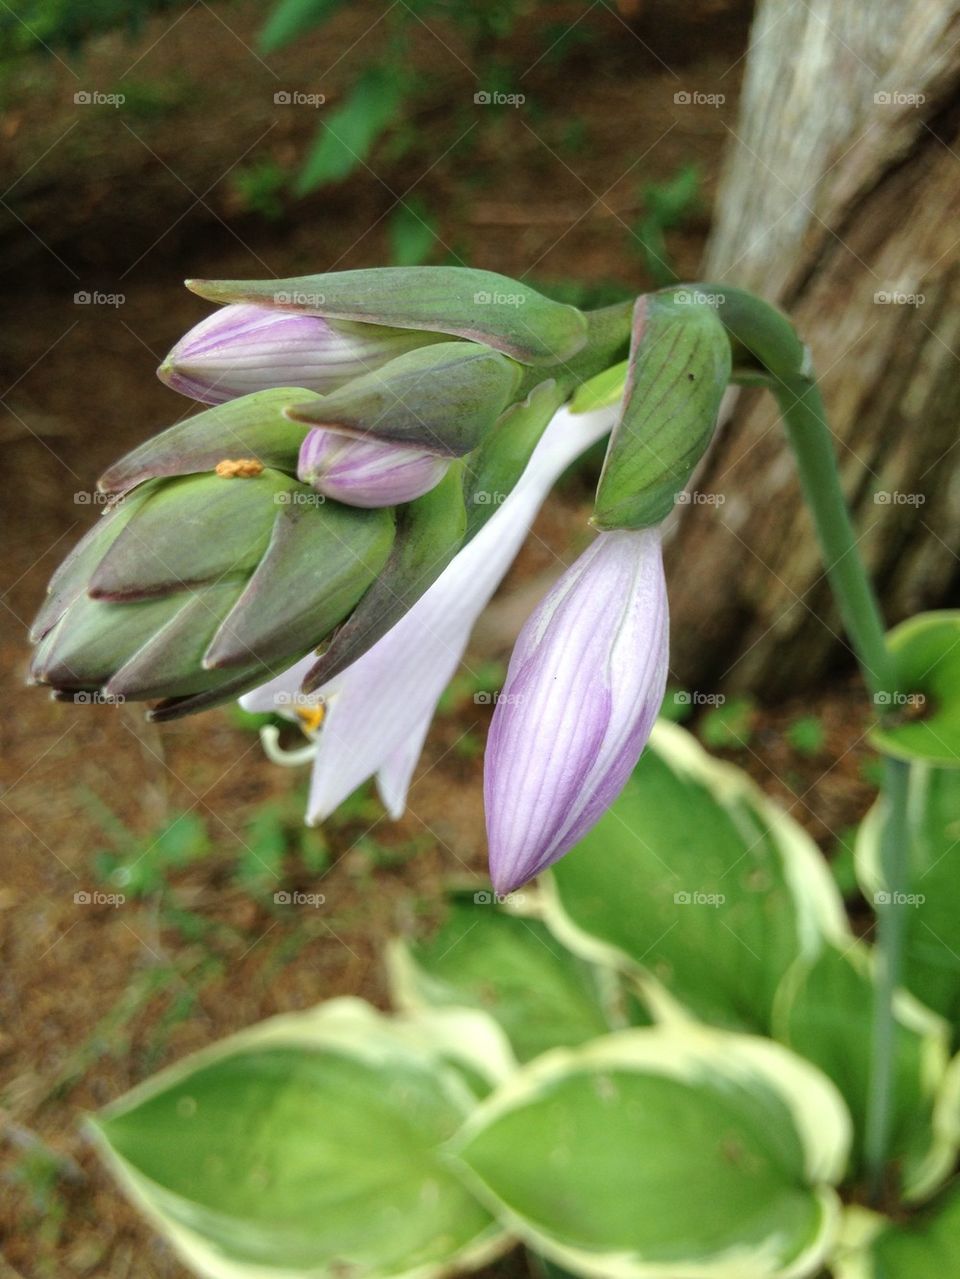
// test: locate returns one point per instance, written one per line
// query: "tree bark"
(838, 202)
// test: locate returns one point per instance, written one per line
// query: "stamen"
(241, 468)
(270, 741)
(311, 717)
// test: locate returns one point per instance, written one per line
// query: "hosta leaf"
(307, 1146)
(679, 1153)
(512, 968)
(699, 882)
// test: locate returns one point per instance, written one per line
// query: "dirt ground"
(129, 202)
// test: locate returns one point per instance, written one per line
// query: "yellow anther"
(240, 468)
(311, 717)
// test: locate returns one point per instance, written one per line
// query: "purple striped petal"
(241, 349)
(379, 709)
(584, 685)
(367, 472)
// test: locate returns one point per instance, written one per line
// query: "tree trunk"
(838, 202)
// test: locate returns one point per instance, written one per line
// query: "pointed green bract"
(679, 370)
(313, 1144)
(699, 884)
(250, 427)
(197, 529)
(922, 719)
(478, 305)
(664, 1154)
(429, 533)
(493, 471)
(443, 398)
(310, 578)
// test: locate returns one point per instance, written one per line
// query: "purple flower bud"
(585, 682)
(367, 472)
(240, 349)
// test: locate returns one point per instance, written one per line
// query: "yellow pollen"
(241, 468)
(311, 717)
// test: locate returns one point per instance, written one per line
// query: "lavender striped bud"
(241, 349)
(584, 685)
(367, 472)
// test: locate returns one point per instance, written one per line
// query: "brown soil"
(97, 997)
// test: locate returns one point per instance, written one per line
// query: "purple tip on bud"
(367, 472)
(584, 686)
(241, 349)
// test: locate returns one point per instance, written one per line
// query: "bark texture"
(839, 202)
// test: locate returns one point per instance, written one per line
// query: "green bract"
(443, 398)
(478, 305)
(679, 369)
(195, 586)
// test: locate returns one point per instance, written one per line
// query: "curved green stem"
(802, 410)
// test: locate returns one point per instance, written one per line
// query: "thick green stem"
(890, 909)
(803, 413)
(801, 407)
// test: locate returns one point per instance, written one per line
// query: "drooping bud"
(367, 472)
(480, 306)
(584, 685)
(679, 368)
(198, 587)
(242, 349)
